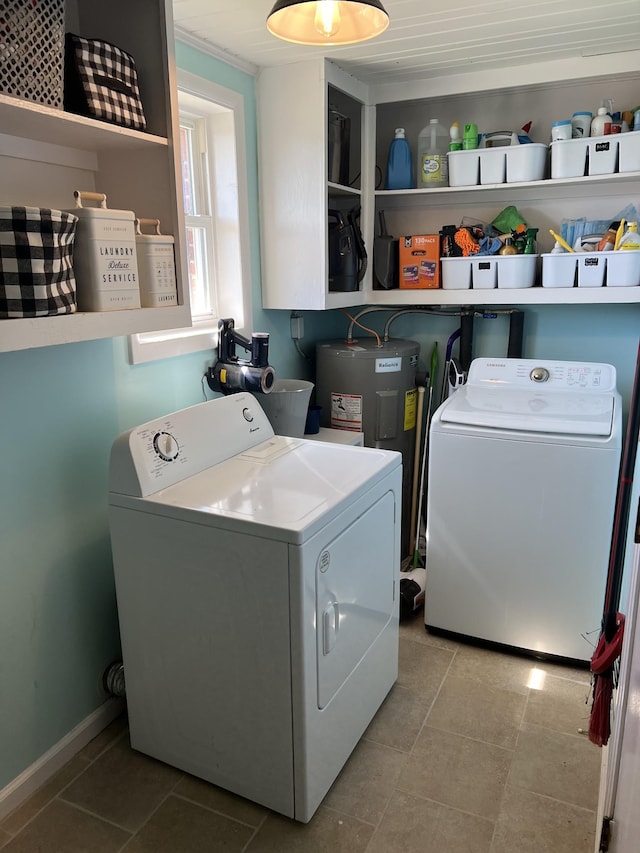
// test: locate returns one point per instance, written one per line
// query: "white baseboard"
(24, 785)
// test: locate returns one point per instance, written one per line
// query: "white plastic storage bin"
(603, 154)
(493, 165)
(464, 168)
(104, 256)
(484, 272)
(516, 271)
(595, 155)
(629, 152)
(591, 269)
(569, 158)
(456, 273)
(559, 269)
(526, 162)
(503, 164)
(623, 268)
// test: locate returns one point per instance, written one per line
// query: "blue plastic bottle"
(399, 163)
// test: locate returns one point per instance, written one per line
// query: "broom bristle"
(600, 718)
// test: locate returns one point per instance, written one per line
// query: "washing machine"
(256, 580)
(522, 481)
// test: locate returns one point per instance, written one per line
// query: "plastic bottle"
(609, 240)
(454, 135)
(433, 143)
(530, 243)
(399, 163)
(470, 137)
(508, 248)
(601, 123)
(631, 238)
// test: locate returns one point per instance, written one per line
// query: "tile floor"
(463, 757)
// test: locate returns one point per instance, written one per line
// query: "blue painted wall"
(61, 407)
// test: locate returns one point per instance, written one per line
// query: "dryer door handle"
(330, 626)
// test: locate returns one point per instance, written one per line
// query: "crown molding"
(213, 50)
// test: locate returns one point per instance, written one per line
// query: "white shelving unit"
(543, 195)
(543, 93)
(46, 154)
(294, 167)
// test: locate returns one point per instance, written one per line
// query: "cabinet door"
(295, 191)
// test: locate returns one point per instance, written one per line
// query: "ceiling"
(428, 38)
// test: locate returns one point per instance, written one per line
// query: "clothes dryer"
(522, 482)
(256, 579)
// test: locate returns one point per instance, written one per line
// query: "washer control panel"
(521, 373)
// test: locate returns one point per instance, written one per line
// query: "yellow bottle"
(631, 239)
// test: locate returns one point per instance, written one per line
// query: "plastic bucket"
(286, 406)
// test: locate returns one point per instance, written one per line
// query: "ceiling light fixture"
(327, 21)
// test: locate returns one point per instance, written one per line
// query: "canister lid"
(102, 213)
(154, 239)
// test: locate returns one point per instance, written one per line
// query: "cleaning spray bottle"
(433, 143)
(530, 241)
(399, 163)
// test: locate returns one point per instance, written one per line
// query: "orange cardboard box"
(419, 262)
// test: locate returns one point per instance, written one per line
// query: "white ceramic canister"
(156, 266)
(104, 256)
(581, 124)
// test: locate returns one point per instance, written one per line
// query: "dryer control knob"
(247, 414)
(539, 374)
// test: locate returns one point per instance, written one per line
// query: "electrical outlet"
(297, 327)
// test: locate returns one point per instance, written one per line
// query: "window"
(214, 193)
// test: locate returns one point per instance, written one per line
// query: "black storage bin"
(101, 81)
(36, 262)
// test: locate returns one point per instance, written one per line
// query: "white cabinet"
(295, 193)
(293, 150)
(46, 154)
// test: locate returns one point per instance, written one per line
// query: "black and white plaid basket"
(36, 262)
(101, 82)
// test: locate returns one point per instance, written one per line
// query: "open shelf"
(44, 124)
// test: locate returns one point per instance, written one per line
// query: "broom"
(609, 645)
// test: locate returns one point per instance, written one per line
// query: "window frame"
(231, 300)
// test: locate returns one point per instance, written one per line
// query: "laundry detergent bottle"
(433, 144)
(399, 163)
(631, 238)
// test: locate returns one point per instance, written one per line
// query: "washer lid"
(531, 410)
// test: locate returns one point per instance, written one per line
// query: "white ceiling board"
(429, 38)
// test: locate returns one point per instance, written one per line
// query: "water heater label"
(410, 409)
(389, 365)
(346, 411)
